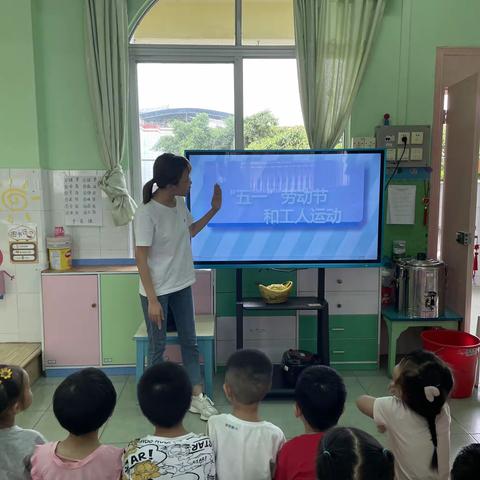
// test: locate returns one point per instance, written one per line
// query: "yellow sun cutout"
(15, 199)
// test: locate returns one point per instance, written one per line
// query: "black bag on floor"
(294, 362)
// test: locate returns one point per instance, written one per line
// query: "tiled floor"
(127, 421)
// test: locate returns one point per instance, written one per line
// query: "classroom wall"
(47, 129)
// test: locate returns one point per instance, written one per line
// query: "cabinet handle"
(94, 305)
(338, 329)
(339, 305)
(339, 352)
(339, 281)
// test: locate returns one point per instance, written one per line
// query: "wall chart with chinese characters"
(82, 201)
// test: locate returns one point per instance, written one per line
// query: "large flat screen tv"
(304, 208)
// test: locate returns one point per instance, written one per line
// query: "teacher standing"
(163, 229)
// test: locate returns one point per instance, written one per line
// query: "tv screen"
(299, 208)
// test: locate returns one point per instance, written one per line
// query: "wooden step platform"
(26, 355)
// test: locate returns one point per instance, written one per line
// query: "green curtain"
(106, 49)
(333, 40)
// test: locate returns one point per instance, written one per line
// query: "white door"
(459, 203)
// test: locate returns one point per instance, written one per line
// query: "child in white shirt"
(245, 446)
(416, 417)
(164, 394)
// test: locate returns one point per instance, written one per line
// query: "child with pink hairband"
(416, 416)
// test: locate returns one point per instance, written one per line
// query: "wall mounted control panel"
(410, 143)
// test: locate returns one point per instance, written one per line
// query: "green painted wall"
(66, 125)
(18, 112)
(400, 77)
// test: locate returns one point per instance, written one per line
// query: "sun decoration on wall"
(15, 199)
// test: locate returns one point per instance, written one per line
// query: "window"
(209, 74)
(176, 113)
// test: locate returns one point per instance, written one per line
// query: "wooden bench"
(26, 355)
(205, 326)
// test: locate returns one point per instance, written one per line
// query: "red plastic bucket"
(460, 351)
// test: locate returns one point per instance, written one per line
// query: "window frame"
(167, 53)
(232, 55)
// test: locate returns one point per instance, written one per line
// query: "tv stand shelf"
(318, 304)
(293, 303)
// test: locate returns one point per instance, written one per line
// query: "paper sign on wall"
(401, 204)
(82, 201)
(23, 243)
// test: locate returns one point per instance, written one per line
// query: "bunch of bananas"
(276, 292)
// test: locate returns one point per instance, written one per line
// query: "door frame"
(443, 54)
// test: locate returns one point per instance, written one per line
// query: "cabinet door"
(202, 292)
(121, 316)
(70, 320)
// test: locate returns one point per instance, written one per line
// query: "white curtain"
(106, 49)
(333, 40)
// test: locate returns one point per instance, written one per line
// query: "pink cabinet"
(70, 320)
(202, 292)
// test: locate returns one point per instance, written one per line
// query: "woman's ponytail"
(148, 191)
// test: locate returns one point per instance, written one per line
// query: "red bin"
(460, 351)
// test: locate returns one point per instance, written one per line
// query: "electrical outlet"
(401, 135)
(406, 154)
(417, 138)
(358, 142)
(370, 142)
(391, 154)
(389, 140)
(416, 154)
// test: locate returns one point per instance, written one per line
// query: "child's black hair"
(418, 370)
(352, 454)
(320, 394)
(164, 394)
(167, 170)
(84, 401)
(467, 463)
(249, 375)
(12, 385)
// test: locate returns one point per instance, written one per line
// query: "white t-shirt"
(183, 458)
(166, 231)
(244, 450)
(410, 441)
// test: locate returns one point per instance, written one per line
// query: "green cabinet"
(121, 316)
(353, 340)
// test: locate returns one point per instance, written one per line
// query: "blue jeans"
(181, 305)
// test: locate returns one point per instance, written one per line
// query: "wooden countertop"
(94, 269)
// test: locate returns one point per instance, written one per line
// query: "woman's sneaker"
(203, 405)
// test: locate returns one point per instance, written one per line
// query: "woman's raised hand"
(217, 197)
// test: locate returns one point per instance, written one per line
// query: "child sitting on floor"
(319, 401)
(416, 417)
(82, 403)
(17, 444)
(164, 394)
(467, 463)
(245, 446)
(352, 454)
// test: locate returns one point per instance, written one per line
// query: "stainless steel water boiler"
(424, 288)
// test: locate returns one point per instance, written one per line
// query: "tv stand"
(318, 304)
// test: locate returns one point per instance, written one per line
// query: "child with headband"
(17, 444)
(416, 417)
